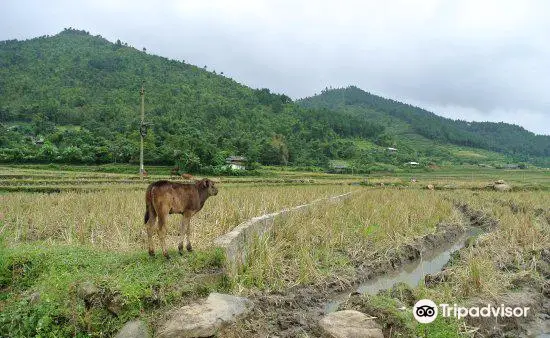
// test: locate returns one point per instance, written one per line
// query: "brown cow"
(187, 176)
(164, 197)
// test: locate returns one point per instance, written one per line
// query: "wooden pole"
(142, 126)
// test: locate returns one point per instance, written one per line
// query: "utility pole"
(142, 130)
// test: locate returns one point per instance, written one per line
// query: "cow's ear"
(205, 184)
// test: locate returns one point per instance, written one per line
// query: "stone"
(115, 304)
(205, 319)
(350, 324)
(431, 280)
(502, 187)
(430, 187)
(86, 290)
(134, 329)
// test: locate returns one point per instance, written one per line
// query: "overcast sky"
(474, 60)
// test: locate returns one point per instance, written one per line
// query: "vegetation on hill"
(80, 95)
(74, 98)
(401, 118)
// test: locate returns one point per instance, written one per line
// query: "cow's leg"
(162, 232)
(150, 227)
(188, 229)
(183, 231)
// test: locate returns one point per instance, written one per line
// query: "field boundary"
(236, 242)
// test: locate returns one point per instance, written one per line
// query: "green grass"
(68, 127)
(439, 328)
(467, 176)
(396, 318)
(134, 281)
(468, 154)
(363, 144)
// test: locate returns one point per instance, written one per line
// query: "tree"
(385, 140)
(189, 162)
(41, 125)
(71, 154)
(48, 152)
(275, 151)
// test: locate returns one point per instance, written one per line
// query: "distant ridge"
(501, 137)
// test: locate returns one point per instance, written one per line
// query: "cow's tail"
(148, 201)
(146, 218)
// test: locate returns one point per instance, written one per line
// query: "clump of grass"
(387, 312)
(397, 320)
(136, 282)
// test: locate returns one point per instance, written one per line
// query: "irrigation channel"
(411, 273)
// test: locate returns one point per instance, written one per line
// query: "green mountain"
(80, 95)
(74, 98)
(420, 129)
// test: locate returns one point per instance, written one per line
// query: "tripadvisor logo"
(425, 311)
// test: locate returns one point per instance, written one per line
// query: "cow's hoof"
(151, 253)
(180, 248)
(167, 256)
(189, 247)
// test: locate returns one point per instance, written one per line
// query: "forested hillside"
(74, 98)
(80, 95)
(500, 137)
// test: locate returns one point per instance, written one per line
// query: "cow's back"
(173, 197)
(187, 196)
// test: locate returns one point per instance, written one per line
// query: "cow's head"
(207, 184)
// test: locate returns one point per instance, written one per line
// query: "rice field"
(510, 253)
(329, 240)
(59, 228)
(42, 178)
(113, 219)
(508, 264)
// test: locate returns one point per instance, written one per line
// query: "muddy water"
(411, 274)
(544, 329)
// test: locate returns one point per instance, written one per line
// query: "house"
(39, 141)
(391, 150)
(339, 167)
(412, 163)
(236, 162)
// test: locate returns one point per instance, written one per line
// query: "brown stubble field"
(48, 215)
